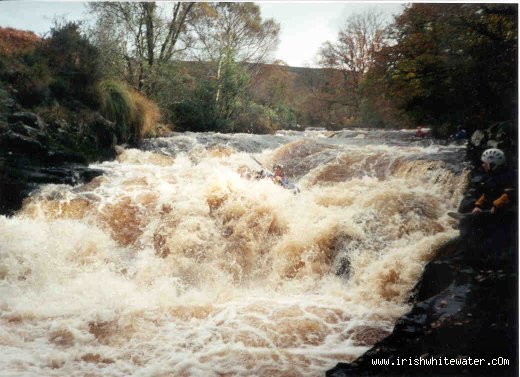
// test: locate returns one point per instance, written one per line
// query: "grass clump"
(117, 106)
(134, 115)
(146, 116)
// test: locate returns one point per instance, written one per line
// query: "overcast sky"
(305, 26)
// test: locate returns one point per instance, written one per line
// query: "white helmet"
(494, 157)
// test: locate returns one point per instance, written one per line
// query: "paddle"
(262, 166)
(459, 216)
(285, 183)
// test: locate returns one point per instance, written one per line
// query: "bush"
(117, 106)
(146, 116)
(23, 70)
(134, 116)
(256, 119)
(31, 82)
(74, 63)
(15, 42)
(285, 117)
(64, 67)
(198, 113)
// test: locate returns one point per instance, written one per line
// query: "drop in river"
(175, 263)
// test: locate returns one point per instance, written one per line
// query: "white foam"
(186, 268)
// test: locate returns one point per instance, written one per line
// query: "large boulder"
(23, 129)
(102, 133)
(20, 179)
(34, 153)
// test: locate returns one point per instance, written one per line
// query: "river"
(175, 262)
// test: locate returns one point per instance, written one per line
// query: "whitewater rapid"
(175, 262)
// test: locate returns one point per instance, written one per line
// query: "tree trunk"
(149, 12)
(219, 67)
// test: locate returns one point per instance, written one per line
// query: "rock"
(477, 138)
(12, 141)
(103, 135)
(25, 130)
(19, 180)
(29, 119)
(119, 149)
(87, 174)
(32, 153)
(7, 104)
(437, 277)
(492, 144)
(62, 157)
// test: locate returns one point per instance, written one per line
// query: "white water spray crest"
(174, 261)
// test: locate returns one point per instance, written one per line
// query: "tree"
(232, 88)
(451, 64)
(354, 54)
(233, 28)
(229, 39)
(233, 31)
(273, 89)
(325, 103)
(139, 38)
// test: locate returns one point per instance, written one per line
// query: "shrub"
(21, 68)
(198, 113)
(74, 62)
(256, 119)
(15, 42)
(286, 117)
(146, 116)
(117, 106)
(134, 115)
(31, 82)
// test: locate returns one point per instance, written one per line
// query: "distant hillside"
(311, 93)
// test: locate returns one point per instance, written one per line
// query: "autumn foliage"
(59, 77)
(13, 41)
(438, 65)
(450, 65)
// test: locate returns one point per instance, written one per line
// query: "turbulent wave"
(176, 263)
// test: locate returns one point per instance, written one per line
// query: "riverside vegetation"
(206, 67)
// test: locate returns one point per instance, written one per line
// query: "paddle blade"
(456, 215)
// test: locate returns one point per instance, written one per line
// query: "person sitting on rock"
(496, 189)
(492, 223)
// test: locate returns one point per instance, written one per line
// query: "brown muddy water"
(175, 263)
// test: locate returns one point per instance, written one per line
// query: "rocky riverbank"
(465, 305)
(34, 152)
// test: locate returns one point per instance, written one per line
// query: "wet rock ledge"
(33, 152)
(465, 305)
